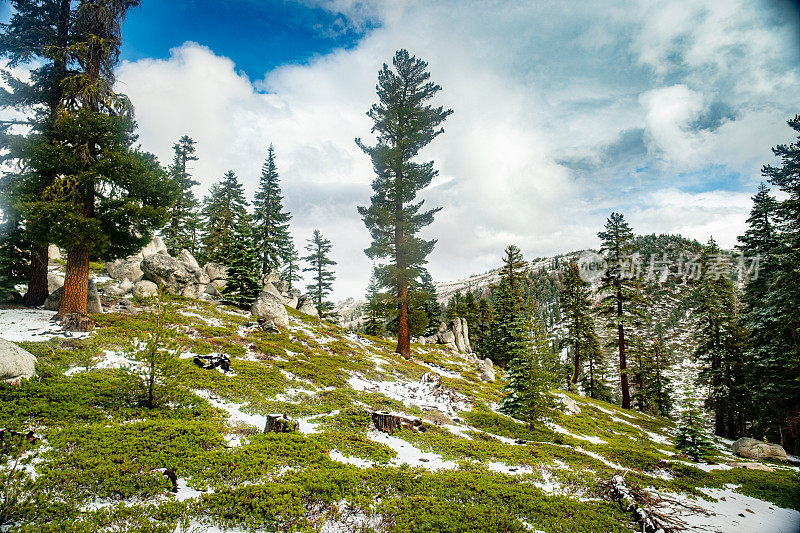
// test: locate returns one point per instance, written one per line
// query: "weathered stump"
(280, 424)
(387, 422)
(77, 322)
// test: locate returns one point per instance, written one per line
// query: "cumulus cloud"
(561, 114)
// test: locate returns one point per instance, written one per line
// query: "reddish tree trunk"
(76, 283)
(403, 333)
(37, 282)
(577, 365)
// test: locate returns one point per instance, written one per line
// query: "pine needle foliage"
(319, 264)
(404, 123)
(271, 222)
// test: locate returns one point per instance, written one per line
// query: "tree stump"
(387, 422)
(280, 424)
(77, 322)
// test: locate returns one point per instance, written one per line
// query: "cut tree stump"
(280, 424)
(387, 422)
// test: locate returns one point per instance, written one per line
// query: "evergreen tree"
(375, 308)
(319, 264)
(775, 318)
(691, 438)
(241, 285)
(430, 306)
(514, 270)
(577, 306)
(621, 301)
(718, 336)
(181, 232)
(39, 34)
(526, 394)
(404, 124)
(291, 266)
(593, 380)
(271, 222)
(107, 196)
(480, 334)
(652, 392)
(223, 207)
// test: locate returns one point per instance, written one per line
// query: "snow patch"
(32, 325)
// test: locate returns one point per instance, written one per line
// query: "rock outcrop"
(93, 304)
(16, 364)
(54, 282)
(306, 305)
(454, 335)
(176, 276)
(128, 269)
(271, 307)
(53, 252)
(756, 449)
(486, 368)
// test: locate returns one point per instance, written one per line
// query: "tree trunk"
(403, 333)
(76, 283)
(37, 282)
(623, 364)
(577, 366)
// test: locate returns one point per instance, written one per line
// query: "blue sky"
(258, 35)
(664, 110)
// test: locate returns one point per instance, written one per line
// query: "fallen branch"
(654, 512)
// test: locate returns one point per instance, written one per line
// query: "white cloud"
(528, 84)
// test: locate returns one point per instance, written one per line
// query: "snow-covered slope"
(458, 461)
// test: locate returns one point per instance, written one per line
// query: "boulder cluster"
(455, 335)
(142, 273)
(275, 295)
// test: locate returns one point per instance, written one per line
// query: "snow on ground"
(563, 431)
(424, 394)
(109, 359)
(234, 410)
(409, 454)
(32, 325)
(734, 512)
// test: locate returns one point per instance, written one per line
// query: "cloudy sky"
(563, 112)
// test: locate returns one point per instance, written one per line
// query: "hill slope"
(458, 466)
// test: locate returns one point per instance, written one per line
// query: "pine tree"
(593, 380)
(241, 285)
(223, 207)
(39, 35)
(577, 306)
(514, 269)
(375, 309)
(107, 197)
(718, 337)
(430, 306)
(291, 266)
(773, 302)
(480, 334)
(271, 222)
(181, 232)
(691, 438)
(526, 394)
(319, 264)
(621, 301)
(652, 391)
(404, 124)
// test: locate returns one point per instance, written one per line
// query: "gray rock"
(176, 277)
(212, 290)
(215, 271)
(270, 288)
(218, 284)
(189, 260)
(128, 269)
(306, 305)
(53, 252)
(156, 246)
(126, 286)
(291, 302)
(488, 375)
(756, 449)
(93, 303)
(16, 364)
(282, 287)
(270, 277)
(295, 293)
(54, 281)
(145, 289)
(271, 307)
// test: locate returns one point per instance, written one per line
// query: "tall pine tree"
(271, 222)
(222, 209)
(319, 264)
(241, 284)
(576, 305)
(182, 230)
(291, 267)
(404, 124)
(39, 34)
(108, 196)
(621, 301)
